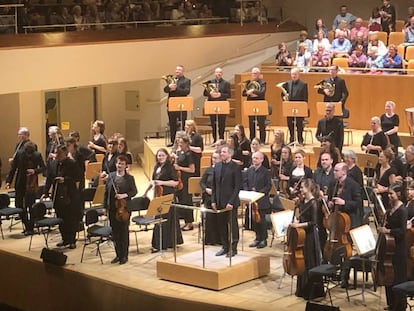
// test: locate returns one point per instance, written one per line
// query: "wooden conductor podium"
(321, 106)
(255, 108)
(295, 109)
(180, 104)
(215, 108)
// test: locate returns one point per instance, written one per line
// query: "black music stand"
(295, 109)
(180, 104)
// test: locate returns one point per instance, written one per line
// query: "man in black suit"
(225, 194)
(340, 92)
(298, 91)
(181, 87)
(256, 94)
(259, 179)
(221, 92)
(331, 126)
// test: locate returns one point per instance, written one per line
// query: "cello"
(293, 259)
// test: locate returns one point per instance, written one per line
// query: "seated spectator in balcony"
(374, 61)
(205, 12)
(303, 38)
(283, 57)
(392, 59)
(258, 13)
(408, 19)
(341, 46)
(242, 14)
(374, 23)
(189, 11)
(154, 7)
(343, 15)
(92, 17)
(320, 58)
(78, 18)
(114, 14)
(321, 40)
(357, 29)
(409, 32)
(178, 13)
(359, 40)
(374, 41)
(319, 26)
(343, 27)
(303, 58)
(62, 18)
(358, 59)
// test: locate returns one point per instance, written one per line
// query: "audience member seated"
(374, 41)
(302, 59)
(357, 59)
(359, 40)
(343, 15)
(341, 46)
(92, 16)
(62, 18)
(178, 13)
(392, 59)
(189, 12)
(357, 29)
(78, 18)
(410, 12)
(205, 12)
(283, 57)
(409, 32)
(303, 38)
(320, 58)
(374, 61)
(258, 13)
(343, 27)
(374, 23)
(321, 40)
(320, 26)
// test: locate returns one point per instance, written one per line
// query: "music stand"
(295, 109)
(321, 106)
(180, 104)
(217, 107)
(406, 140)
(367, 161)
(256, 108)
(249, 197)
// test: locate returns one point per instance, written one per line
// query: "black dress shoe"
(123, 261)
(233, 253)
(170, 145)
(28, 232)
(188, 228)
(72, 245)
(254, 244)
(62, 243)
(262, 244)
(221, 252)
(154, 250)
(115, 260)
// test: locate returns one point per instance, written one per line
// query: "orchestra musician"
(339, 92)
(98, 142)
(27, 165)
(298, 91)
(276, 152)
(323, 175)
(23, 137)
(331, 126)
(259, 180)
(220, 93)
(225, 194)
(65, 176)
(109, 160)
(385, 174)
(256, 94)
(354, 171)
(309, 219)
(285, 169)
(119, 189)
(298, 172)
(243, 149)
(255, 147)
(396, 226)
(196, 145)
(180, 87)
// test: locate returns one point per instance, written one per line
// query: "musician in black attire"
(64, 174)
(409, 168)
(331, 126)
(243, 149)
(180, 88)
(109, 160)
(119, 186)
(298, 91)
(87, 153)
(259, 179)
(340, 92)
(23, 136)
(28, 164)
(396, 226)
(298, 172)
(354, 171)
(196, 144)
(225, 194)
(220, 93)
(256, 94)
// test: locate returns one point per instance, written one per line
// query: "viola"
(180, 184)
(121, 211)
(293, 258)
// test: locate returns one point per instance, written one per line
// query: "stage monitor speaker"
(310, 306)
(53, 257)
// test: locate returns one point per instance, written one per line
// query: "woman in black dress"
(109, 160)
(244, 145)
(298, 172)
(98, 142)
(374, 141)
(309, 215)
(276, 151)
(389, 123)
(211, 233)
(385, 175)
(196, 145)
(123, 149)
(396, 226)
(164, 181)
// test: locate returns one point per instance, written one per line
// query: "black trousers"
(173, 118)
(223, 221)
(260, 228)
(221, 125)
(70, 224)
(262, 128)
(120, 235)
(299, 127)
(25, 200)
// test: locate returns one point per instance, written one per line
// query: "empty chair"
(7, 212)
(95, 234)
(396, 37)
(138, 204)
(341, 62)
(41, 223)
(410, 66)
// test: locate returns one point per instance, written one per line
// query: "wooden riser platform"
(217, 274)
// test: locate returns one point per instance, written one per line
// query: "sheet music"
(250, 196)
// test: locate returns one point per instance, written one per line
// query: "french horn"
(284, 91)
(170, 79)
(325, 85)
(210, 87)
(250, 85)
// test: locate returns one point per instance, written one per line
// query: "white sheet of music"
(250, 196)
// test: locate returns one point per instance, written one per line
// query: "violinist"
(243, 147)
(323, 175)
(123, 149)
(354, 171)
(119, 189)
(196, 145)
(255, 147)
(298, 172)
(109, 160)
(98, 141)
(276, 151)
(385, 174)
(396, 224)
(55, 138)
(65, 176)
(23, 136)
(285, 169)
(258, 179)
(309, 216)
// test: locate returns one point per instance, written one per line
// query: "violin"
(256, 214)
(180, 184)
(293, 258)
(121, 212)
